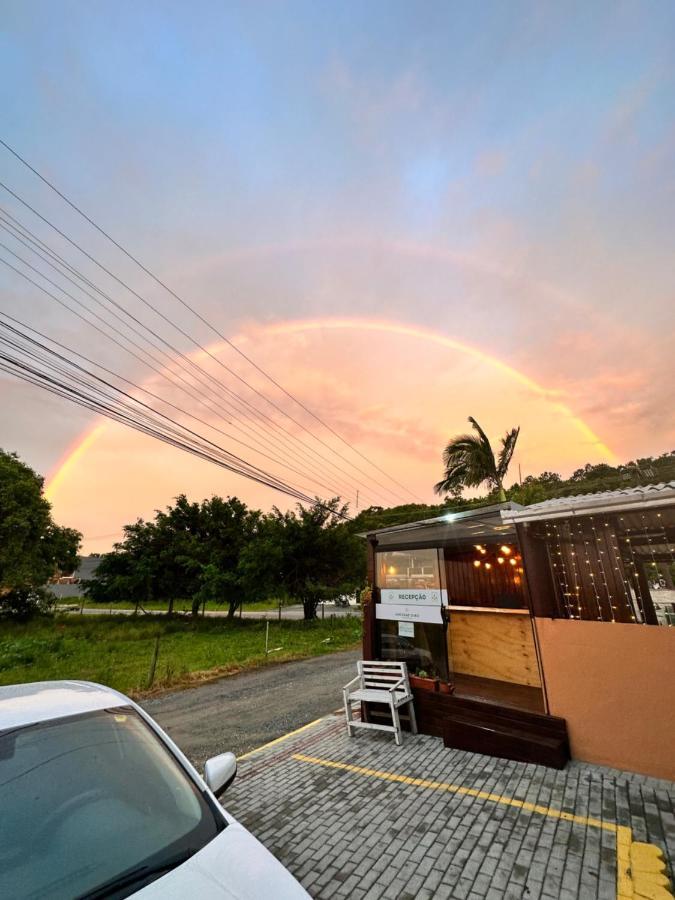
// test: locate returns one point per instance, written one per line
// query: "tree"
(32, 547)
(190, 551)
(469, 461)
(306, 555)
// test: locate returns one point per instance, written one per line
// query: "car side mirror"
(220, 771)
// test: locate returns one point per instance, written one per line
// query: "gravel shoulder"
(241, 712)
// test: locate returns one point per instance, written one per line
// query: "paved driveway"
(244, 711)
(362, 818)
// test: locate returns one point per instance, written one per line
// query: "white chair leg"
(413, 720)
(348, 712)
(397, 724)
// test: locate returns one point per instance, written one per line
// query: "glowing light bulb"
(500, 560)
(477, 563)
(506, 550)
(513, 562)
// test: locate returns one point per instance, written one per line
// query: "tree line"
(221, 551)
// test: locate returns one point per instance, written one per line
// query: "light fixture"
(477, 563)
(506, 550)
(391, 570)
(488, 565)
(500, 560)
(513, 562)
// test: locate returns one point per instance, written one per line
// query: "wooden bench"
(380, 682)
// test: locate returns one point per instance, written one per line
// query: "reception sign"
(399, 612)
(416, 596)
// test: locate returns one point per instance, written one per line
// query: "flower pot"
(422, 683)
(446, 687)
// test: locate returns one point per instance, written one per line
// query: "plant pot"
(424, 684)
(446, 687)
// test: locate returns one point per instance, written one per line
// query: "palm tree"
(470, 461)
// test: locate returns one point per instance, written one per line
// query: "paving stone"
(348, 835)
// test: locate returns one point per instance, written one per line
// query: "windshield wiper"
(140, 873)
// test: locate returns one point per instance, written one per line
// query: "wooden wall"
(493, 645)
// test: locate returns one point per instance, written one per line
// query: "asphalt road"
(245, 711)
(290, 613)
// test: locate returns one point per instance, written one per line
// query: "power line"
(179, 353)
(241, 426)
(132, 384)
(70, 380)
(178, 328)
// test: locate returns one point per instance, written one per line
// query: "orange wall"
(614, 685)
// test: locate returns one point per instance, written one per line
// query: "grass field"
(118, 651)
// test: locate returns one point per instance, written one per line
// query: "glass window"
(408, 569)
(613, 568)
(94, 805)
(489, 575)
(422, 647)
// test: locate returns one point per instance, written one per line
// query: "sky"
(407, 213)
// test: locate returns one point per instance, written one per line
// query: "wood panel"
(493, 645)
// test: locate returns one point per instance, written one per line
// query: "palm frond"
(468, 461)
(505, 454)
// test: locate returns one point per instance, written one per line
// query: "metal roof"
(640, 497)
(448, 518)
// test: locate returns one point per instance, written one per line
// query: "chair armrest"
(400, 683)
(354, 681)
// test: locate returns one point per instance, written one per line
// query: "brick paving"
(345, 834)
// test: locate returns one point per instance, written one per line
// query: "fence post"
(153, 662)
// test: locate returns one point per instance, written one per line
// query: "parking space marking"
(279, 740)
(640, 869)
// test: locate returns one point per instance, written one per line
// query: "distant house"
(69, 586)
(554, 624)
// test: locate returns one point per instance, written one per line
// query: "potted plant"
(422, 680)
(445, 687)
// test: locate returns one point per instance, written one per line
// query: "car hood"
(233, 865)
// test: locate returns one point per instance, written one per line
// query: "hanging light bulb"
(488, 565)
(500, 560)
(506, 550)
(513, 562)
(477, 563)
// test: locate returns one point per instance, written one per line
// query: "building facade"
(552, 626)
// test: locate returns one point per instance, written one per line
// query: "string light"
(634, 573)
(555, 558)
(601, 553)
(619, 567)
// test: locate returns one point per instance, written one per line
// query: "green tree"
(32, 547)
(190, 551)
(469, 461)
(307, 555)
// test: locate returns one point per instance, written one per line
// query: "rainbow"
(84, 442)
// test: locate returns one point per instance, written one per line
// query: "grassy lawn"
(179, 605)
(118, 651)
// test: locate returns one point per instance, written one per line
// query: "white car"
(96, 801)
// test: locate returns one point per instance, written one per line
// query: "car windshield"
(94, 806)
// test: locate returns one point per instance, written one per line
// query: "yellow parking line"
(640, 868)
(279, 740)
